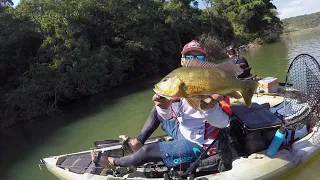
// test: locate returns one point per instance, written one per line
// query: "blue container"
(276, 143)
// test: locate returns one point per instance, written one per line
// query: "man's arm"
(243, 63)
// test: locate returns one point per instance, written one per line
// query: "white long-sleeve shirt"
(192, 122)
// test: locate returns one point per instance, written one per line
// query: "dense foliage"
(301, 22)
(250, 19)
(56, 51)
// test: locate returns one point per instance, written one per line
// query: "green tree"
(251, 19)
(19, 42)
(55, 52)
(301, 22)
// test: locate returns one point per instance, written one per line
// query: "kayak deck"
(257, 165)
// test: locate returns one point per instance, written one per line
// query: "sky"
(291, 8)
(286, 8)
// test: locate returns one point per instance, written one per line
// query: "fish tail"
(249, 89)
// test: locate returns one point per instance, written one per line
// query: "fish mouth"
(158, 91)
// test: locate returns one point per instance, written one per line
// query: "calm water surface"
(124, 111)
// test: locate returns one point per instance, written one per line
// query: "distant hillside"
(301, 22)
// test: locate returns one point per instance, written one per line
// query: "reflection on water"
(305, 43)
(122, 111)
(269, 60)
(274, 59)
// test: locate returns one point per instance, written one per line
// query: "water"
(124, 111)
(306, 171)
(121, 111)
(272, 59)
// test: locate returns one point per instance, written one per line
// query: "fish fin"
(197, 63)
(247, 92)
(228, 66)
(235, 94)
(194, 102)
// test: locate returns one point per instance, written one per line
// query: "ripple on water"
(274, 59)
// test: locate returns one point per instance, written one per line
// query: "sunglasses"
(200, 57)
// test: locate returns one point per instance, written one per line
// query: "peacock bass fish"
(201, 78)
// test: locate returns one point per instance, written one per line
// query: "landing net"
(302, 92)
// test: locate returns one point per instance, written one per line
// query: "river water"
(124, 111)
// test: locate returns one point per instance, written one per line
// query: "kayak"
(254, 166)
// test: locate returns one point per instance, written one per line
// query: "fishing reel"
(118, 171)
(154, 170)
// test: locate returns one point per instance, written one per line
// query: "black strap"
(293, 132)
(203, 154)
(97, 160)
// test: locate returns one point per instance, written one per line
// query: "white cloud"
(291, 8)
(296, 2)
(290, 11)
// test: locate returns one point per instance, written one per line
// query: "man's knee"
(147, 148)
(144, 149)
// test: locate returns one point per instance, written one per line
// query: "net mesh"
(302, 92)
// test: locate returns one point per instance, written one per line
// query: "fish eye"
(164, 80)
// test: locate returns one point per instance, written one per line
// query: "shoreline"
(301, 31)
(248, 47)
(64, 107)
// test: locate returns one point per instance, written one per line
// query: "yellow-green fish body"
(193, 82)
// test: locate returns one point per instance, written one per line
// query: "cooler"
(268, 85)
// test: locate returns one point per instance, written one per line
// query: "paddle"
(105, 143)
(108, 143)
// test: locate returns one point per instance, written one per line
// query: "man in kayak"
(239, 60)
(191, 130)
